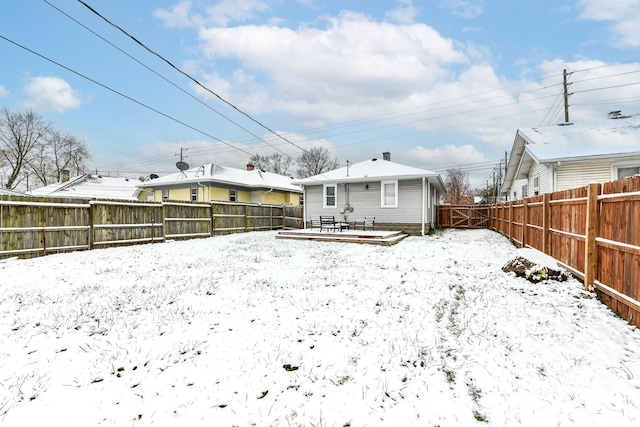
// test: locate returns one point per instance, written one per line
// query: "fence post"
(510, 229)
(546, 219)
(525, 222)
(450, 216)
(590, 248)
(92, 235)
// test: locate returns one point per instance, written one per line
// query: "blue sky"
(439, 83)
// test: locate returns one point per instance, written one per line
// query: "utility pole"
(566, 95)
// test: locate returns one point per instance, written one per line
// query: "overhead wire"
(184, 73)
(110, 89)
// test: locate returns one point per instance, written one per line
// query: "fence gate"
(463, 216)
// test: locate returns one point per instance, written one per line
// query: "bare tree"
(56, 152)
(276, 163)
(315, 161)
(458, 188)
(20, 133)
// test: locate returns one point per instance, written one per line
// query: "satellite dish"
(183, 166)
(153, 176)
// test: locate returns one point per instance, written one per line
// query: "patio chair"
(368, 222)
(315, 223)
(329, 223)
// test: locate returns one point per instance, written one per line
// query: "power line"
(179, 70)
(122, 94)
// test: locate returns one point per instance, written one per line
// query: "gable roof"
(618, 136)
(91, 186)
(372, 170)
(212, 173)
(4, 191)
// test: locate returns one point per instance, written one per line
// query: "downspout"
(423, 203)
(263, 194)
(203, 186)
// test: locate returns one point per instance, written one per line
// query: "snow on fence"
(32, 226)
(593, 231)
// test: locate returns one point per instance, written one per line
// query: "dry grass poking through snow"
(249, 330)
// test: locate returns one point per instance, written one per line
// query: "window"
(627, 171)
(301, 199)
(330, 199)
(233, 195)
(536, 186)
(389, 194)
(525, 191)
(165, 194)
(194, 194)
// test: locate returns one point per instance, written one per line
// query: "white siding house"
(399, 197)
(560, 157)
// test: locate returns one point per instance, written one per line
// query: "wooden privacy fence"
(38, 226)
(593, 231)
(463, 216)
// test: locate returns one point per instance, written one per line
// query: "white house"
(559, 157)
(92, 186)
(399, 197)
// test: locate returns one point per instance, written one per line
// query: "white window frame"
(325, 205)
(536, 185)
(622, 165)
(193, 192)
(383, 185)
(165, 194)
(233, 195)
(525, 191)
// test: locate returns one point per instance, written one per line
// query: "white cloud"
(405, 12)
(464, 8)
(447, 155)
(3, 92)
(352, 66)
(623, 17)
(50, 94)
(222, 13)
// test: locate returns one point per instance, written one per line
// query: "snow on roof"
(4, 191)
(584, 139)
(369, 170)
(256, 179)
(92, 186)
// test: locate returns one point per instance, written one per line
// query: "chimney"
(250, 166)
(386, 156)
(64, 175)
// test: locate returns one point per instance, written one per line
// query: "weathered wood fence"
(32, 226)
(593, 231)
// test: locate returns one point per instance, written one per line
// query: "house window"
(301, 199)
(536, 186)
(525, 189)
(194, 194)
(233, 195)
(330, 199)
(627, 171)
(165, 194)
(389, 194)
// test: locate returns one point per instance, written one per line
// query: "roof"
(617, 136)
(212, 173)
(371, 170)
(91, 186)
(4, 192)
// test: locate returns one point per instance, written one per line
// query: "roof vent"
(386, 156)
(374, 159)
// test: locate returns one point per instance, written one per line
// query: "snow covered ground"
(249, 330)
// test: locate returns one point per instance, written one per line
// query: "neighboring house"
(399, 197)
(213, 182)
(5, 192)
(92, 186)
(560, 157)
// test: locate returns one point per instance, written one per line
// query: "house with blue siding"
(401, 198)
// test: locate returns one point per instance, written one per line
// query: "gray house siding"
(365, 199)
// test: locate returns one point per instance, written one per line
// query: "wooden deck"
(383, 238)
